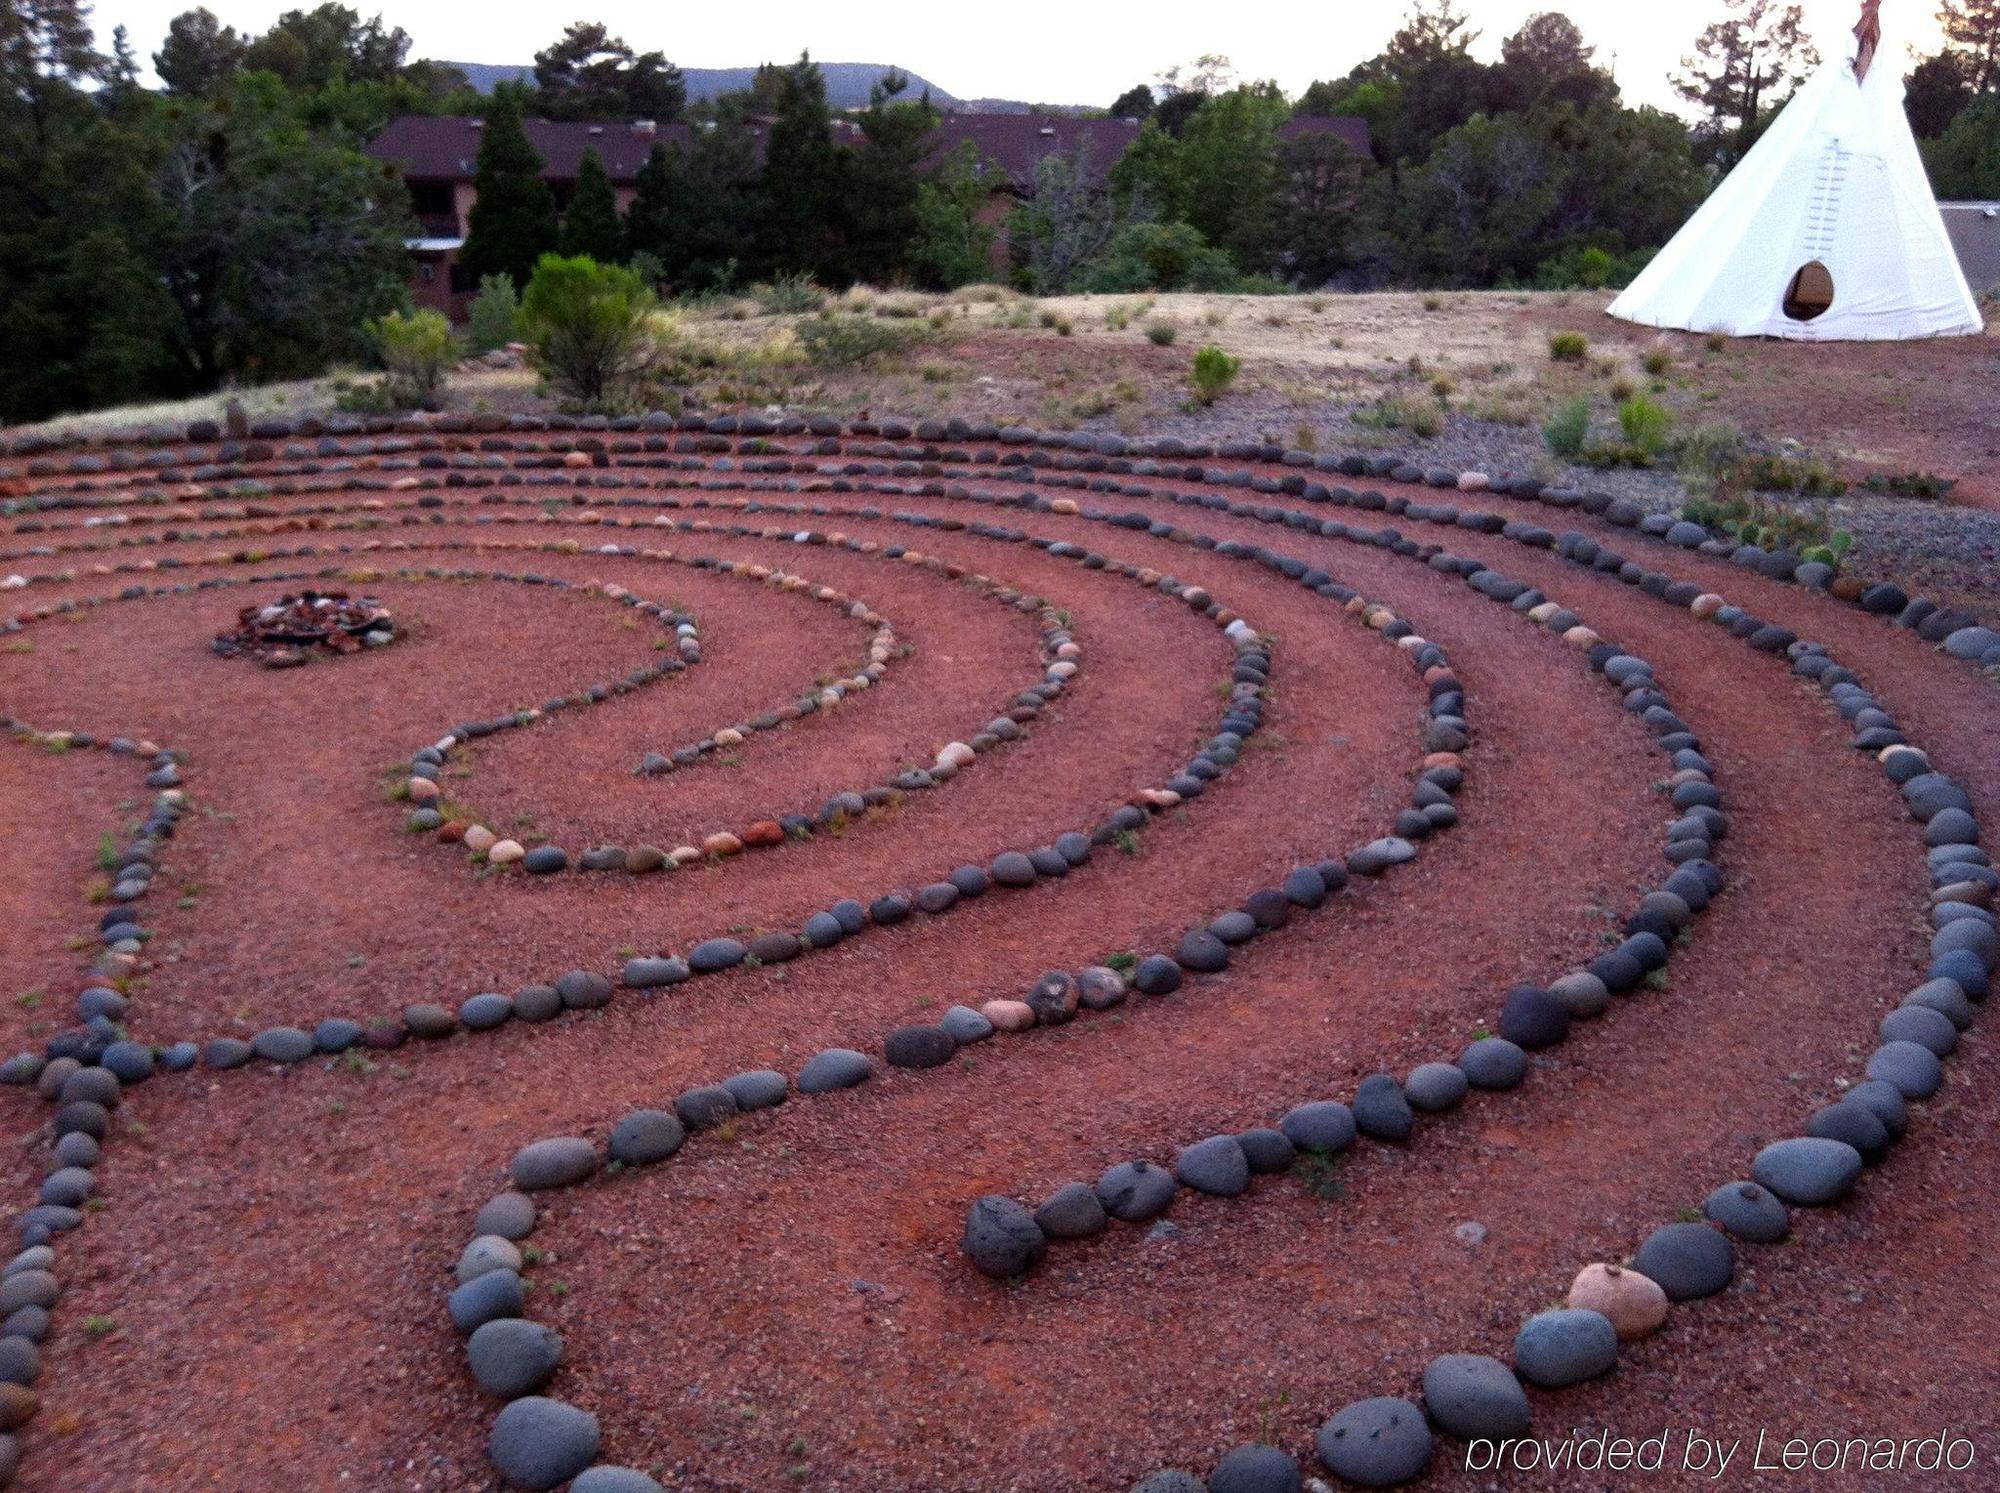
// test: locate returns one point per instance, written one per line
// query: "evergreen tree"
(1135, 102)
(1745, 66)
(1438, 83)
(591, 226)
(513, 219)
(1547, 62)
(1318, 189)
(1147, 179)
(1964, 161)
(277, 245)
(1935, 94)
(1972, 37)
(695, 207)
(591, 74)
(1228, 172)
(310, 49)
(951, 246)
(199, 54)
(879, 197)
(799, 195)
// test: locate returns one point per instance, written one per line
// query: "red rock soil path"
(275, 1267)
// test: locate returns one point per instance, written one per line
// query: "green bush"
(1568, 429)
(416, 349)
(588, 325)
(831, 341)
(1568, 347)
(494, 318)
(1591, 268)
(1648, 426)
(790, 295)
(1162, 256)
(1214, 371)
(1162, 333)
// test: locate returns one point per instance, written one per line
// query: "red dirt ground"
(788, 1306)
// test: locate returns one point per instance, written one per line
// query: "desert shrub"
(1213, 373)
(1771, 525)
(790, 295)
(1647, 424)
(1420, 417)
(1568, 347)
(1912, 485)
(587, 323)
(1162, 333)
(1568, 429)
(1803, 476)
(1709, 451)
(494, 318)
(415, 349)
(834, 341)
(1657, 361)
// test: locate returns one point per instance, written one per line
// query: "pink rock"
(1009, 1016)
(478, 837)
(1635, 1303)
(505, 852)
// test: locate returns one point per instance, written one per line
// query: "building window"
(431, 199)
(426, 271)
(461, 282)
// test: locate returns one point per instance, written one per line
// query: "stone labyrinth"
(926, 957)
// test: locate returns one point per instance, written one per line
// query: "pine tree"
(1972, 36)
(1743, 65)
(879, 200)
(591, 226)
(800, 192)
(695, 207)
(513, 220)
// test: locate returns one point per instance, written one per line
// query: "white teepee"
(1827, 231)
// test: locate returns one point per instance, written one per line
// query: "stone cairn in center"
(286, 633)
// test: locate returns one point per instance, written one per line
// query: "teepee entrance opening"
(1810, 295)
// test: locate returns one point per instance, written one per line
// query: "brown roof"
(1010, 146)
(445, 147)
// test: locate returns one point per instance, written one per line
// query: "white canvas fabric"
(1836, 180)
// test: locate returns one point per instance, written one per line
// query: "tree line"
(228, 225)
(718, 212)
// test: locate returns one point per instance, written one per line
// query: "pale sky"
(1044, 51)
